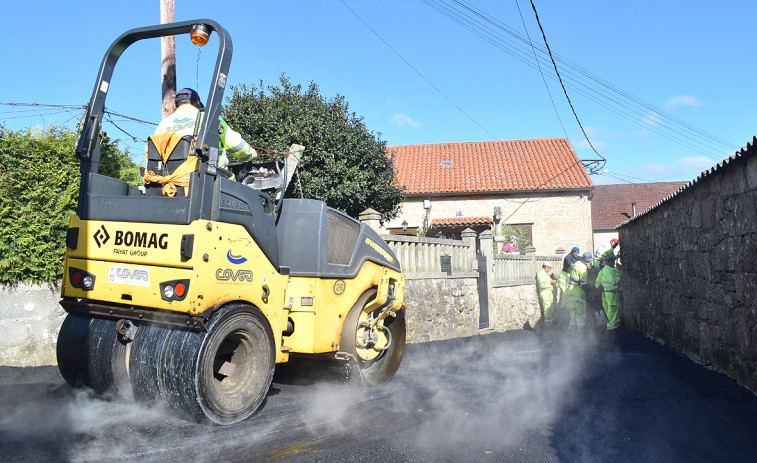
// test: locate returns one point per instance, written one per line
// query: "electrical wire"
(418, 72)
(582, 81)
(541, 73)
(629, 113)
(602, 161)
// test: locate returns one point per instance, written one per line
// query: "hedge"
(39, 188)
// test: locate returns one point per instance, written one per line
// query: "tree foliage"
(344, 163)
(39, 188)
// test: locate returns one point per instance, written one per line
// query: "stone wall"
(441, 308)
(438, 308)
(690, 269)
(513, 308)
(446, 308)
(29, 322)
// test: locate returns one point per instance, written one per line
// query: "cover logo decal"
(229, 274)
(235, 259)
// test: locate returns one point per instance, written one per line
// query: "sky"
(662, 90)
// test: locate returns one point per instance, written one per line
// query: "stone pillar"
(486, 238)
(530, 252)
(469, 239)
(560, 252)
(371, 218)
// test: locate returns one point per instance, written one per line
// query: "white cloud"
(684, 168)
(598, 144)
(597, 132)
(682, 100)
(401, 120)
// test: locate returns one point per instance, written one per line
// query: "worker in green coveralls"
(544, 284)
(608, 281)
(562, 288)
(575, 297)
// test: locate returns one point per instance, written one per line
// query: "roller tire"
(381, 369)
(71, 349)
(145, 363)
(91, 355)
(107, 360)
(238, 336)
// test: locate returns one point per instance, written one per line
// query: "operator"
(183, 121)
(608, 281)
(575, 297)
(544, 283)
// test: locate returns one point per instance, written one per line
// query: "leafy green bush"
(39, 188)
(344, 163)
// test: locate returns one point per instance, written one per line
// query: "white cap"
(546, 264)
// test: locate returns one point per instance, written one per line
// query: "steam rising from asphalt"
(490, 391)
(498, 395)
(483, 394)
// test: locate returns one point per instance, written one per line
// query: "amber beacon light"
(200, 34)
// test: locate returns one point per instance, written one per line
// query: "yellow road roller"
(191, 299)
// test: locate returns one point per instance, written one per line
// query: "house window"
(411, 231)
(527, 227)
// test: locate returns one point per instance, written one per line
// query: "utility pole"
(167, 59)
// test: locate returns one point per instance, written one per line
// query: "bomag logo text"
(141, 239)
(226, 274)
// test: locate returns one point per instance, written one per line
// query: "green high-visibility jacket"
(608, 279)
(183, 121)
(544, 286)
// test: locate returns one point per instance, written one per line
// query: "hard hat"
(587, 255)
(614, 241)
(187, 94)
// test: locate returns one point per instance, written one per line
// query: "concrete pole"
(469, 239)
(371, 218)
(167, 59)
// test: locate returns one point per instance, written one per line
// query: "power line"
(582, 81)
(418, 72)
(602, 160)
(600, 81)
(540, 71)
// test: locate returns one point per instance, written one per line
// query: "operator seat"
(168, 164)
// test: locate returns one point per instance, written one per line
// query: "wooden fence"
(425, 256)
(514, 269)
(434, 257)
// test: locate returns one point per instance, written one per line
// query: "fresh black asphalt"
(529, 396)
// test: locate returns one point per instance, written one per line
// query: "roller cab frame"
(192, 300)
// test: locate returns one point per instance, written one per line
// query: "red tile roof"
(501, 165)
(461, 221)
(610, 201)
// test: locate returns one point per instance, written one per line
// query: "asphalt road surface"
(519, 396)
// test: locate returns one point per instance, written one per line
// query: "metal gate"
(483, 292)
